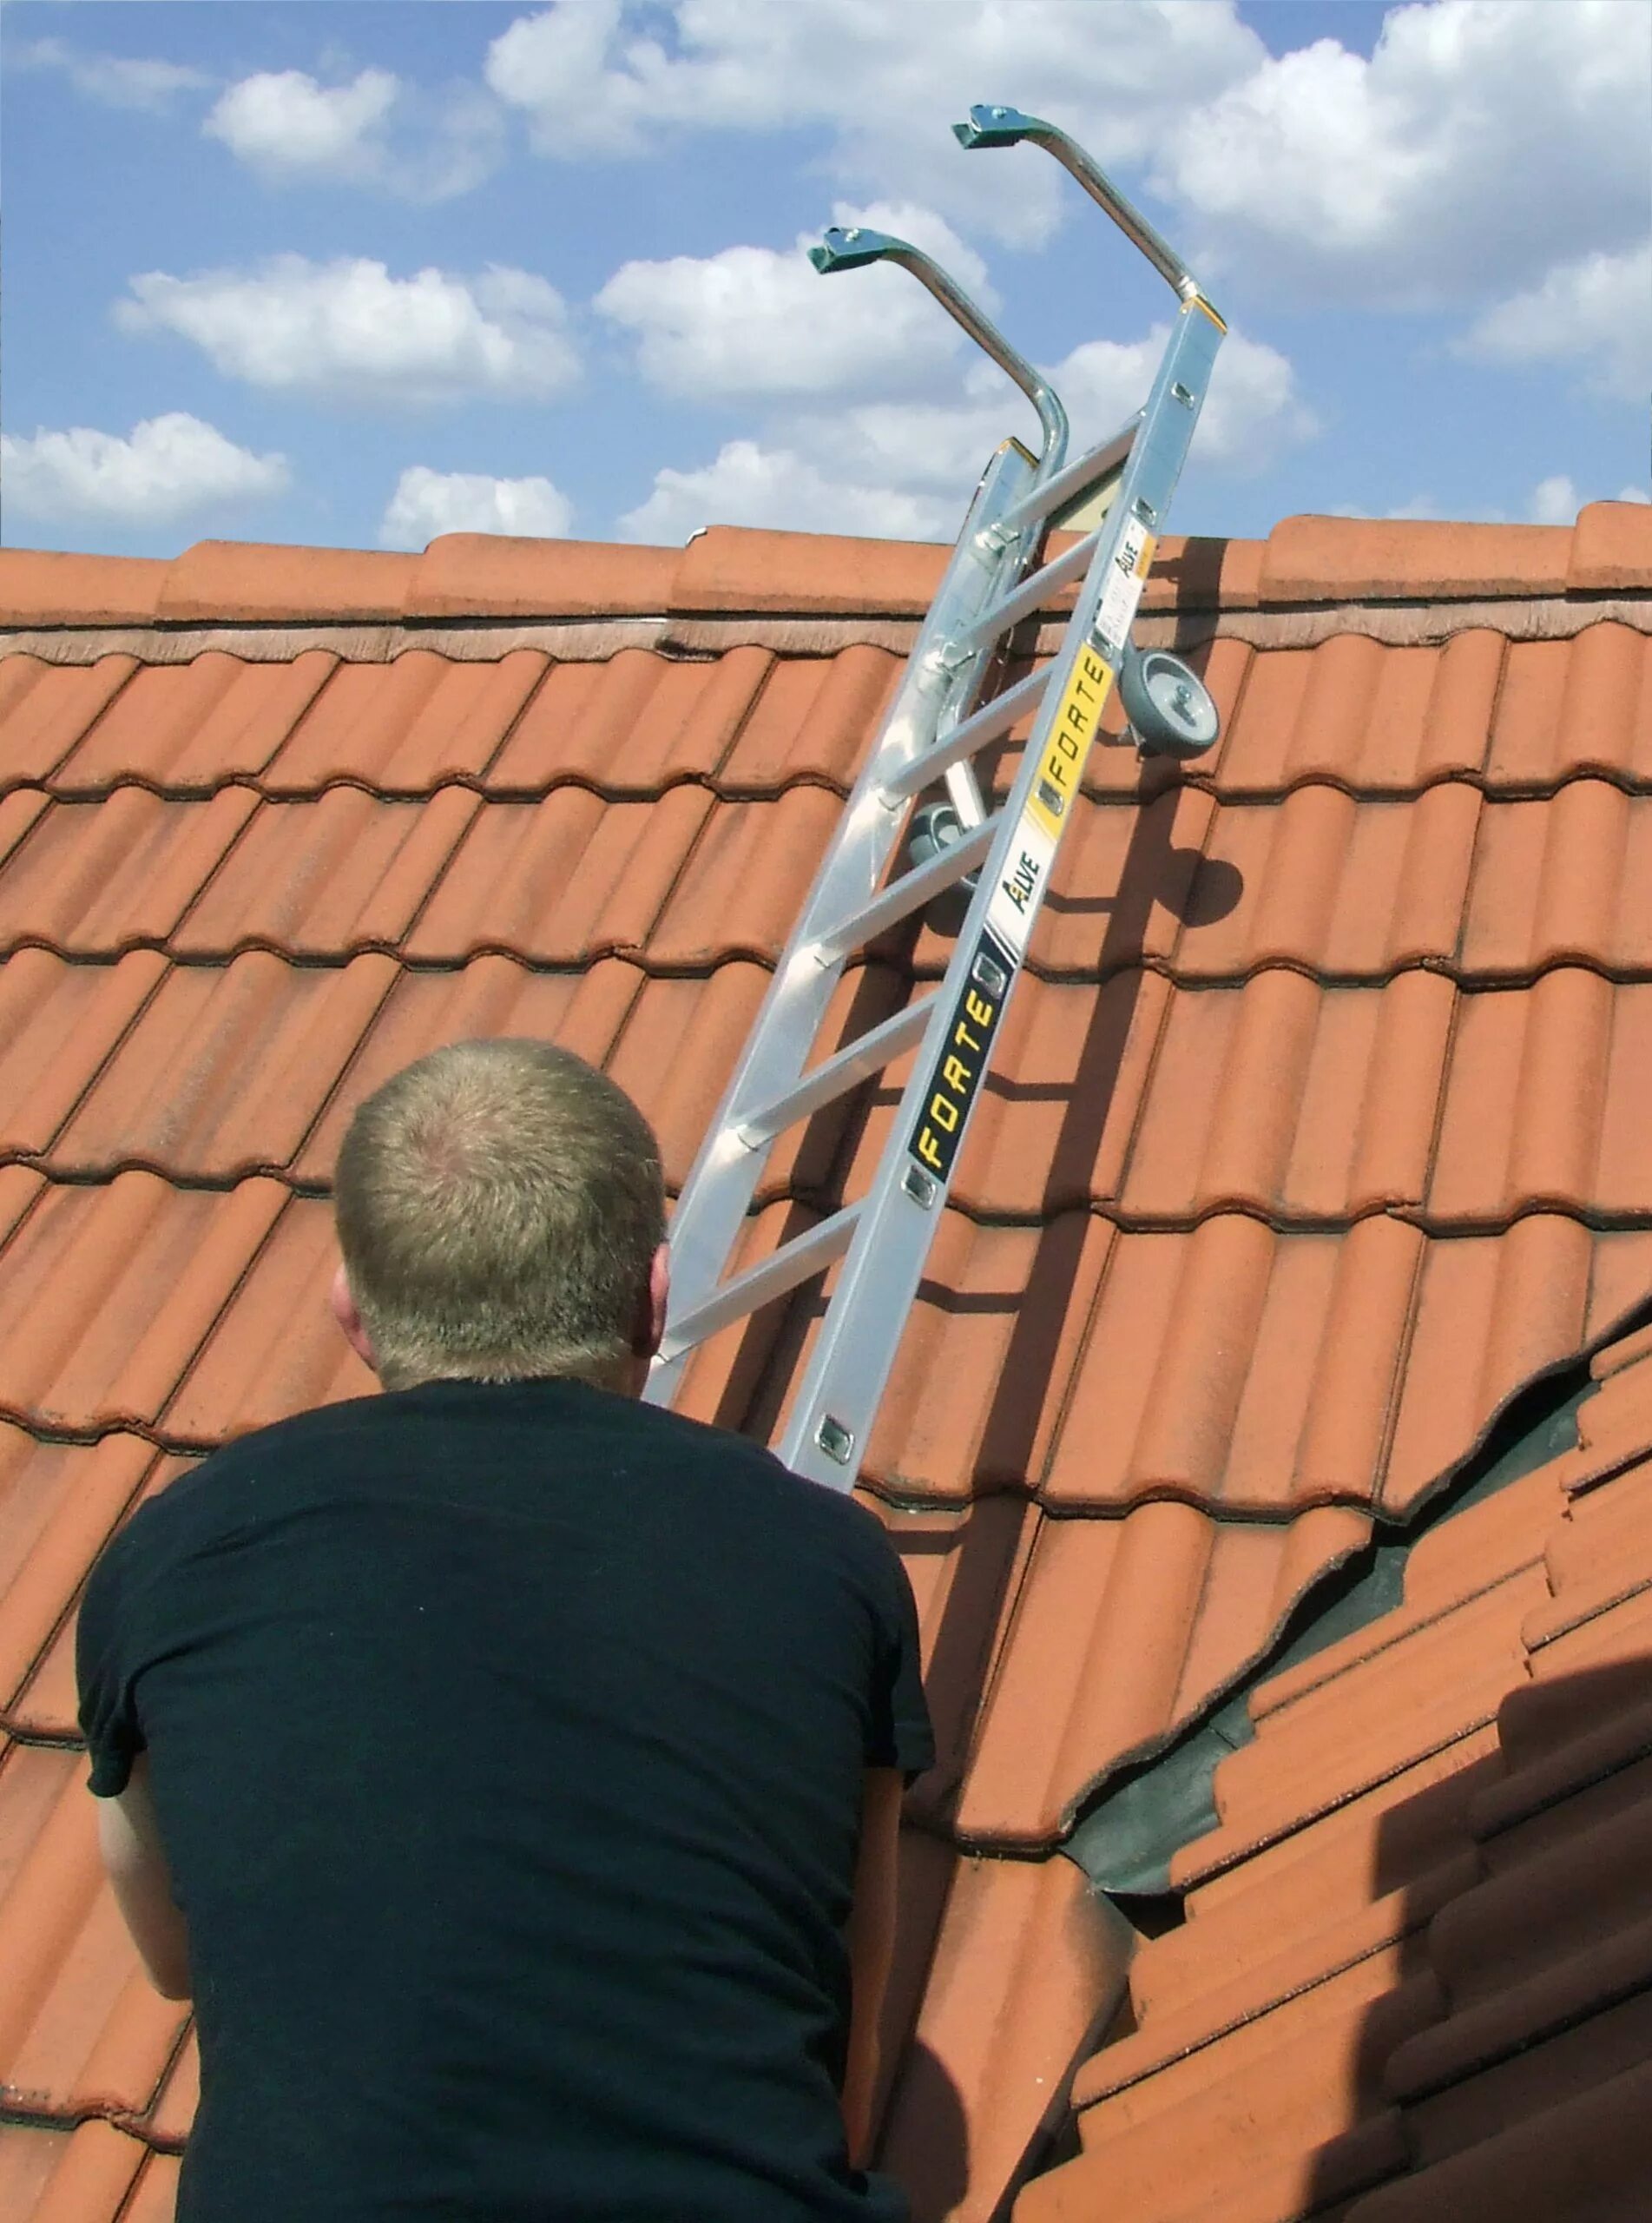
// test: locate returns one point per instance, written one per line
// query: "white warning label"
(1126, 579)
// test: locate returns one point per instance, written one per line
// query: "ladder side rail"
(836, 1401)
(938, 680)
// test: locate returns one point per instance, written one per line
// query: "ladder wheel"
(1169, 707)
(935, 827)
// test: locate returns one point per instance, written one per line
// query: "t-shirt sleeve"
(104, 1673)
(900, 1734)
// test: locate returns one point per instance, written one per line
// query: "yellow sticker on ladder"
(1055, 789)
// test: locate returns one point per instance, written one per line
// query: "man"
(508, 1770)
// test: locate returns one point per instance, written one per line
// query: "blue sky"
(356, 275)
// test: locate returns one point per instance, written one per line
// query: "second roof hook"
(852, 249)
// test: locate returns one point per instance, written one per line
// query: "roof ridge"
(730, 570)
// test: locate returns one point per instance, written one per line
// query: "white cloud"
(378, 130)
(1557, 500)
(600, 77)
(428, 502)
(750, 321)
(168, 466)
(1469, 153)
(112, 80)
(1481, 142)
(907, 468)
(282, 120)
(348, 329)
(749, 484)
(1253, 414)
(1554, 501)
(1597, 310)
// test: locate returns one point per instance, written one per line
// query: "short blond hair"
(498, 1203)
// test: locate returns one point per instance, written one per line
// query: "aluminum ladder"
(936, 724)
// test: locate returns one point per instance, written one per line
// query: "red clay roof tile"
(464, 574)
(1611, 549)
(1338, 560)
(46, 710)
(1315, 1135)
(223, 580)
(80, 2026)
(94, 2174)
(43, 588)
(185, 728)
(728, 568)
(94, 879)
(322, 879)
(1530, 1976)
(59, 1507)
(632, 727)
(402, 730)
(58, 1023)
(559, 882)
(228, 1071)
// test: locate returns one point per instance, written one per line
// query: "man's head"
(502, 1215)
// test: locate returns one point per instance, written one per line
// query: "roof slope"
(1313, 1134)
(1416, 1966)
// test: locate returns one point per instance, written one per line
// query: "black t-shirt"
(507, 1743)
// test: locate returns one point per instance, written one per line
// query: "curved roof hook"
(851, 249)
(1006, 126)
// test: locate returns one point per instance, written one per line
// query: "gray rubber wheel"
(935, 827)
(1169, 707)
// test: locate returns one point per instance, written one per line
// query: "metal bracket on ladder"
(934, 728)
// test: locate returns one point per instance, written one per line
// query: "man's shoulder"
(835, 1511)
(204, 1494)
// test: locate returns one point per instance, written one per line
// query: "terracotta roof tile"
(45, 710)
(58, 1023)
(1495, 1936)
(226, 1071)
(220, 579)
(1612, 548)
(80, 2026)
(94, 2174)
(316, 880)
(1315, 1136)
(1336, 559)
(101, 1355)
(813, 720)
(93, 879)
(463, 573)
(39, 588)
(186, 727)
(727, 569)
(405, 731)
(59, 1504)
(1023, 1957)
(1138, 1624)
(560, 882)
(631, 727)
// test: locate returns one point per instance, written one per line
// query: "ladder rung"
(1039, 501)
(966, 738)
(869, 1054)
(759, 1285)
(1029, 596)
(909, 894)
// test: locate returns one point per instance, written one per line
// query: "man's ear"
(652, 1323)
(342, 1305)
